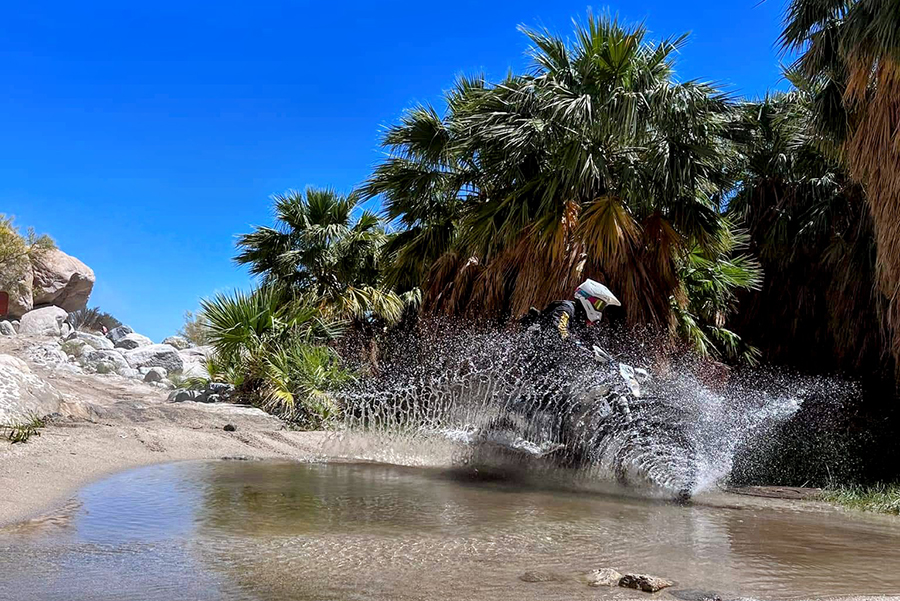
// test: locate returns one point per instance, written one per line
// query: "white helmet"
(595, 297)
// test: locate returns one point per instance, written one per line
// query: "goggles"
(598, 303)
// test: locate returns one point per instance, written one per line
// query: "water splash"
(502, 403)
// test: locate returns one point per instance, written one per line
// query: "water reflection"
(277, 531)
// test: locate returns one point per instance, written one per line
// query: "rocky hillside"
(44, 338)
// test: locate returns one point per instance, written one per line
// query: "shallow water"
(278, 531)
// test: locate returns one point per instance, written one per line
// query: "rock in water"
(603, 577)
(155, 355)
(61, 280)
(644, 582)
(22, 394)
(7, 329)
(118, 333)
(132, 341)
(179, 342)
(46, 321)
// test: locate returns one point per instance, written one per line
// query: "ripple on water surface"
(277, 531)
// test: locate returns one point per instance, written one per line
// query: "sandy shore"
(111, 424)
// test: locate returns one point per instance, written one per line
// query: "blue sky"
(144, 136)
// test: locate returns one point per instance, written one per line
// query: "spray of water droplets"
(506, 402)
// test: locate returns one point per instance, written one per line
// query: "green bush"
(272, 347)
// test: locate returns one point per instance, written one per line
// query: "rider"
(564, 318)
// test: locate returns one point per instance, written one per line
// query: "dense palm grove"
(744, 230)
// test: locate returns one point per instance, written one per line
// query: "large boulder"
(179, 342)
(23, 395)
(16, 280)
(46, 321)
(132, 341)
(156, 355)
(61, 280)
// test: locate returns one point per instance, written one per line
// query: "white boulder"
(7, 329)
(195, 361)
(96, 341)
(46, 321)
(61, 280)
(23, 395)
(132, 341)
(155, 355)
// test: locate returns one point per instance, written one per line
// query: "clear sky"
(144, 136)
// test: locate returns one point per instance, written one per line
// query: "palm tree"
(851, 48)
(273, 348)
(319, 251)
(809, 224)
(595, 164)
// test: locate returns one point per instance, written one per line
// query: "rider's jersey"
(564, 318)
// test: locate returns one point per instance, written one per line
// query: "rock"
(47, 354)
(179, 342)
(181, 395)
(46, 321)
(644, 582)
(603, 577)
(104, 361)
(15, 325)
(197, 354)
(132, 341)
(230, 428)
(65, 329)
(16, 279)
(99, 343)
(23, 395)
(61, 280)
(195, 359)
(7, 329)
(129, 373)
(120, 332)
(155, 355)
(154, 374)
(220, 388)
